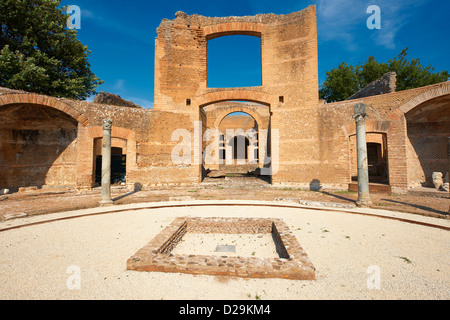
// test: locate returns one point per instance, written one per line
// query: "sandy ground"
(245, 245)
(85, 258)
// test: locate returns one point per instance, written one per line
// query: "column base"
(363, 203)
(106, 202)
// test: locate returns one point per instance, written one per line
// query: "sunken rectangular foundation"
(293, 262)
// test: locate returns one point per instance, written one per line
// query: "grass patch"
(345, 192)
(406, 260)
(381, 204)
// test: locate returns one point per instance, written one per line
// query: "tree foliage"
(345, 80)
(40, 54)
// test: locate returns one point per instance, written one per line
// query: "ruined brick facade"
(46, 141)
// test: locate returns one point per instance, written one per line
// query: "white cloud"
(113, 25)
(341, 20)
(144, 103)
(119, 85)
(87, 14)
(395, 15)
(338, 20)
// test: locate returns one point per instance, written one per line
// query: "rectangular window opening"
(234, 61)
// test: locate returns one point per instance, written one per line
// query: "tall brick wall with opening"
(289, 78)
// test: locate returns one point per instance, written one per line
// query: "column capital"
(359, 110)
(107, 124)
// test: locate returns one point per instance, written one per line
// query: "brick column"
(397, 155)
(85, 159)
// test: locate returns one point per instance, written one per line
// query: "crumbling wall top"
(196, 20)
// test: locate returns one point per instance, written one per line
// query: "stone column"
(363, 166)
(106, 163)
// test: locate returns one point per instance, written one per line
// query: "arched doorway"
(118, 161)
(38, 147)
(216, 106)
(239, 146)
(428, 131)
(377, 157)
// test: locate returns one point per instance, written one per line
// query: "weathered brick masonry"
(46, 141)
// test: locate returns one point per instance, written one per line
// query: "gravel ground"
(348, 251)
(245, 245)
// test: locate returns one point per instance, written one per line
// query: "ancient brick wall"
(309, 142)
(289, 77)
(386, 84)
(386, 116)
(37, 147)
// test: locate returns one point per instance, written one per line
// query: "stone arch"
(42, 141)
(37, 99)
(423, 123)
(372, 126)
(261, 115)
(233, 28)
(234, 95)
(434, 92)
(116, 132)
(222, 114)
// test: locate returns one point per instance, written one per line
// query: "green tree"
(369, 72)
(345, 80)
(40, 54)
(340, 83)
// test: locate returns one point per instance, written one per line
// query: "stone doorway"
(118, 163)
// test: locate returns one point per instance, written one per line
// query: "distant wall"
(386, 84)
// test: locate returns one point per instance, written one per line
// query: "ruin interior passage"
(118, 167)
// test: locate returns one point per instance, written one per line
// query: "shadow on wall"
(428, 129)
(431, 154)
(38, 147)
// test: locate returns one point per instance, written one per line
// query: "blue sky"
(121, 36)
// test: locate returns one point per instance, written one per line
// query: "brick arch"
(37, 99)
(116, 132)
(121, 133)
(222, 114)
(372, 126)
(233, 28)
(434, 92)
(230, 95)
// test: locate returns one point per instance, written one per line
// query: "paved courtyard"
(356, 256)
